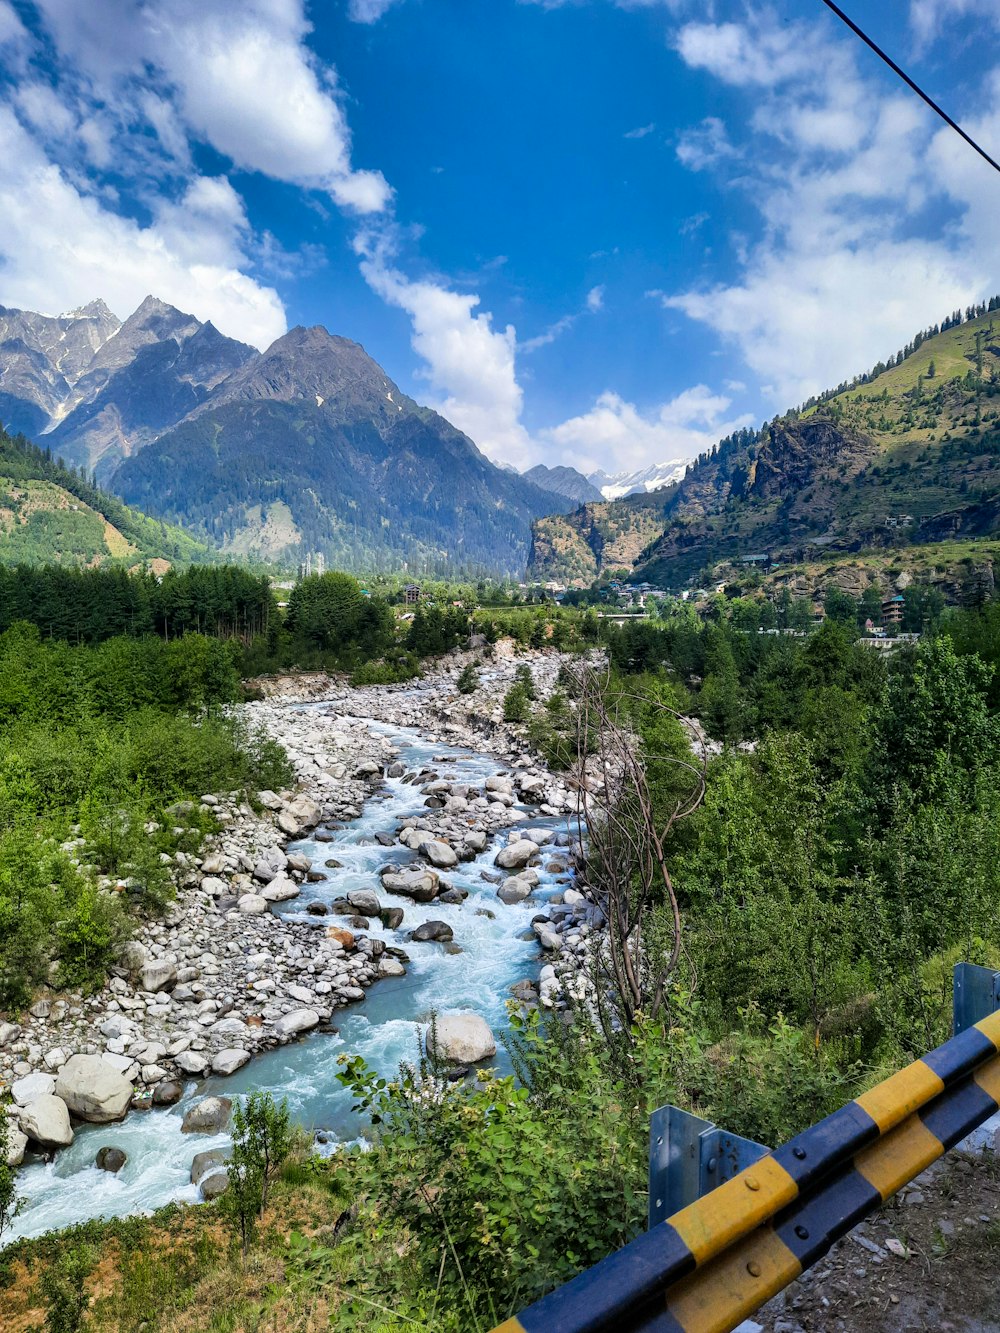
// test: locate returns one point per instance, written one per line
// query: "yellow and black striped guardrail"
(715, 1262)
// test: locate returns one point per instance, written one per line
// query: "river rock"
(204, 1163)
(110, 1159)
(210, 1116)
(392, 917)
(29, 1089)
(390, 967)
(461, 1039)
(92, 1090)
(299, 1020)
(157, 974)
(305, 811)
(279, 890)
(365, 902)
(190, 1062)
(270, 800)
(439, 853)
(344, 938)
(547, 937)
(432, 930)
(46, 1121)
(168, 1093)
(420, 885)
(251, 904)
(515, 854)
(229, 1060)
(9, 1033)
(17, 1142)
(513, 890)
(215, 1185)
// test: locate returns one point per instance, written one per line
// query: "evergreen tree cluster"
(83, 605)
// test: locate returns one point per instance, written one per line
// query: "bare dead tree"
(626, 839)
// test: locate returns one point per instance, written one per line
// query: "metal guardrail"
(719, 1259)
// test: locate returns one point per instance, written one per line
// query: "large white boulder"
(299, 1020)
(46, 1121)
(31, 1087)
(461, 1039)
(252, 904)
(92, 1090)
(516, 854)
(280, 889)
(229, 1060)
(439, 853)
(157, 975)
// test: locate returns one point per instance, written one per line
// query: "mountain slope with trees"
(905, 454)
(51, 513)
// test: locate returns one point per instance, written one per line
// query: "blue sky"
(595, 232)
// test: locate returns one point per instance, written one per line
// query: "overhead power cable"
(910, 83)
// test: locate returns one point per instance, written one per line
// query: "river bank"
(267, 941)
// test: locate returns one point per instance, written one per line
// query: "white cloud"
(595, 299)
(470, 364)
(616, 437)
(252, 89)
(843, 172)
(369, 11)
(553, 332)
(704, 145)
(640, 132)
(928, 17)
(59, 248)
(11, 28)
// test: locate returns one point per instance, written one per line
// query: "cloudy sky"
(595, 232)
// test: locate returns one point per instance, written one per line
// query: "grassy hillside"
(51, 513)
(909, 457)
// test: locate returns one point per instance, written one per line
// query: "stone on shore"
(364, 901)
(190, 1062)
(299, 1020)
(92, 1090)
(210, 1116)
(252, 904)
(229, 1060)
(461, 1039)
(31, 1087)
(279, 890)
(157, 975)
(215, 1184)
(17, 1142)
(46, 1121)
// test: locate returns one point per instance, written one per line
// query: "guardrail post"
(976, 992)
(688, 1157)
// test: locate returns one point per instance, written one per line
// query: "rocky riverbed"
(240, 965)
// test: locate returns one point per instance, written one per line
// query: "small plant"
(516, 704)
(468, 681)
(262, 1139)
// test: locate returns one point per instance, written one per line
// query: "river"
(384, 1028)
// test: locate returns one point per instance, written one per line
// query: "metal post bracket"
(688, 1157)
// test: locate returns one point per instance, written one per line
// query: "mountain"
(49, 514)
(652, 478)
(311, 447)
(906, 454)
(307, 447)
(564, 481)
(43, 356)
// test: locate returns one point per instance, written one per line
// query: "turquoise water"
(384, 1028)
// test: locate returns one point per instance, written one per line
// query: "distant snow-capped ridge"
(633, 483)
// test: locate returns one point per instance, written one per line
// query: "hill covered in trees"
(51, 512)
(905, 454)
